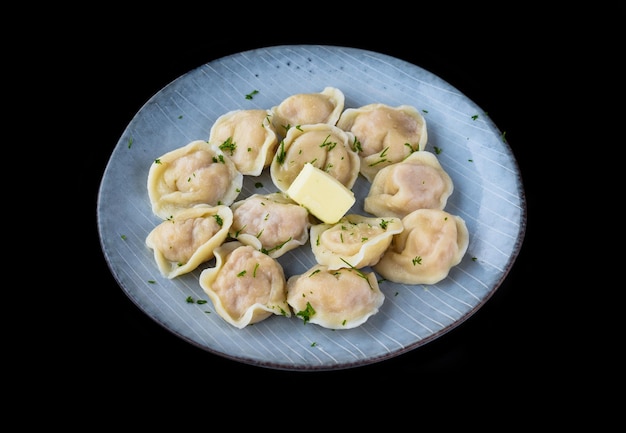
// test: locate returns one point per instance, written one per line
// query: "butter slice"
(322, 195)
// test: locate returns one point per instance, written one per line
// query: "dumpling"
(308, 108)
(248, 137)
(197, 173)
(324, 146)
(189, 238)
(246, 286)
(385, 134)
(355, 241)
(417, 182)
(432, 242)
(271, 223)
(336, 299)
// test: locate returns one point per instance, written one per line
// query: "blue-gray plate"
(488, 195)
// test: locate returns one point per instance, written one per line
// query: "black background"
(517, 64)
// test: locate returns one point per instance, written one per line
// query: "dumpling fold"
(432, 242)
(247, 137)
(355, 241)
(246, 286)
(336, 299)
(197, 173)
(385, 134)
(272, 223)
(308, 108)
(419, 181)
(324, 146)
(188, 239)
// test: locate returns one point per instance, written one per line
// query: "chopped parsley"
(280, 155)
(191, 300)
(411, 148)
(358, 272)
(329, 145)
(306, 313)
(251, 94)
(356, 145)
(229, 145)
(277, 247)
(383, 157)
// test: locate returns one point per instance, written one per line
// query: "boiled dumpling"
(308, 108)
(432, 242)
(246, 286)
(336, 299)
(385, 134)
(248, 137)
(355, 241)
(189, 238)
(324, 146)
(197, 173)
(417, 182)
(271, 223)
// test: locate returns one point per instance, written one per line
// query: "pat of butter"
(323, 195)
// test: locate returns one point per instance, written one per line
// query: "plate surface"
(488, 195)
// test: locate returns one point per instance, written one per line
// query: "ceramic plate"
(488, 195)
